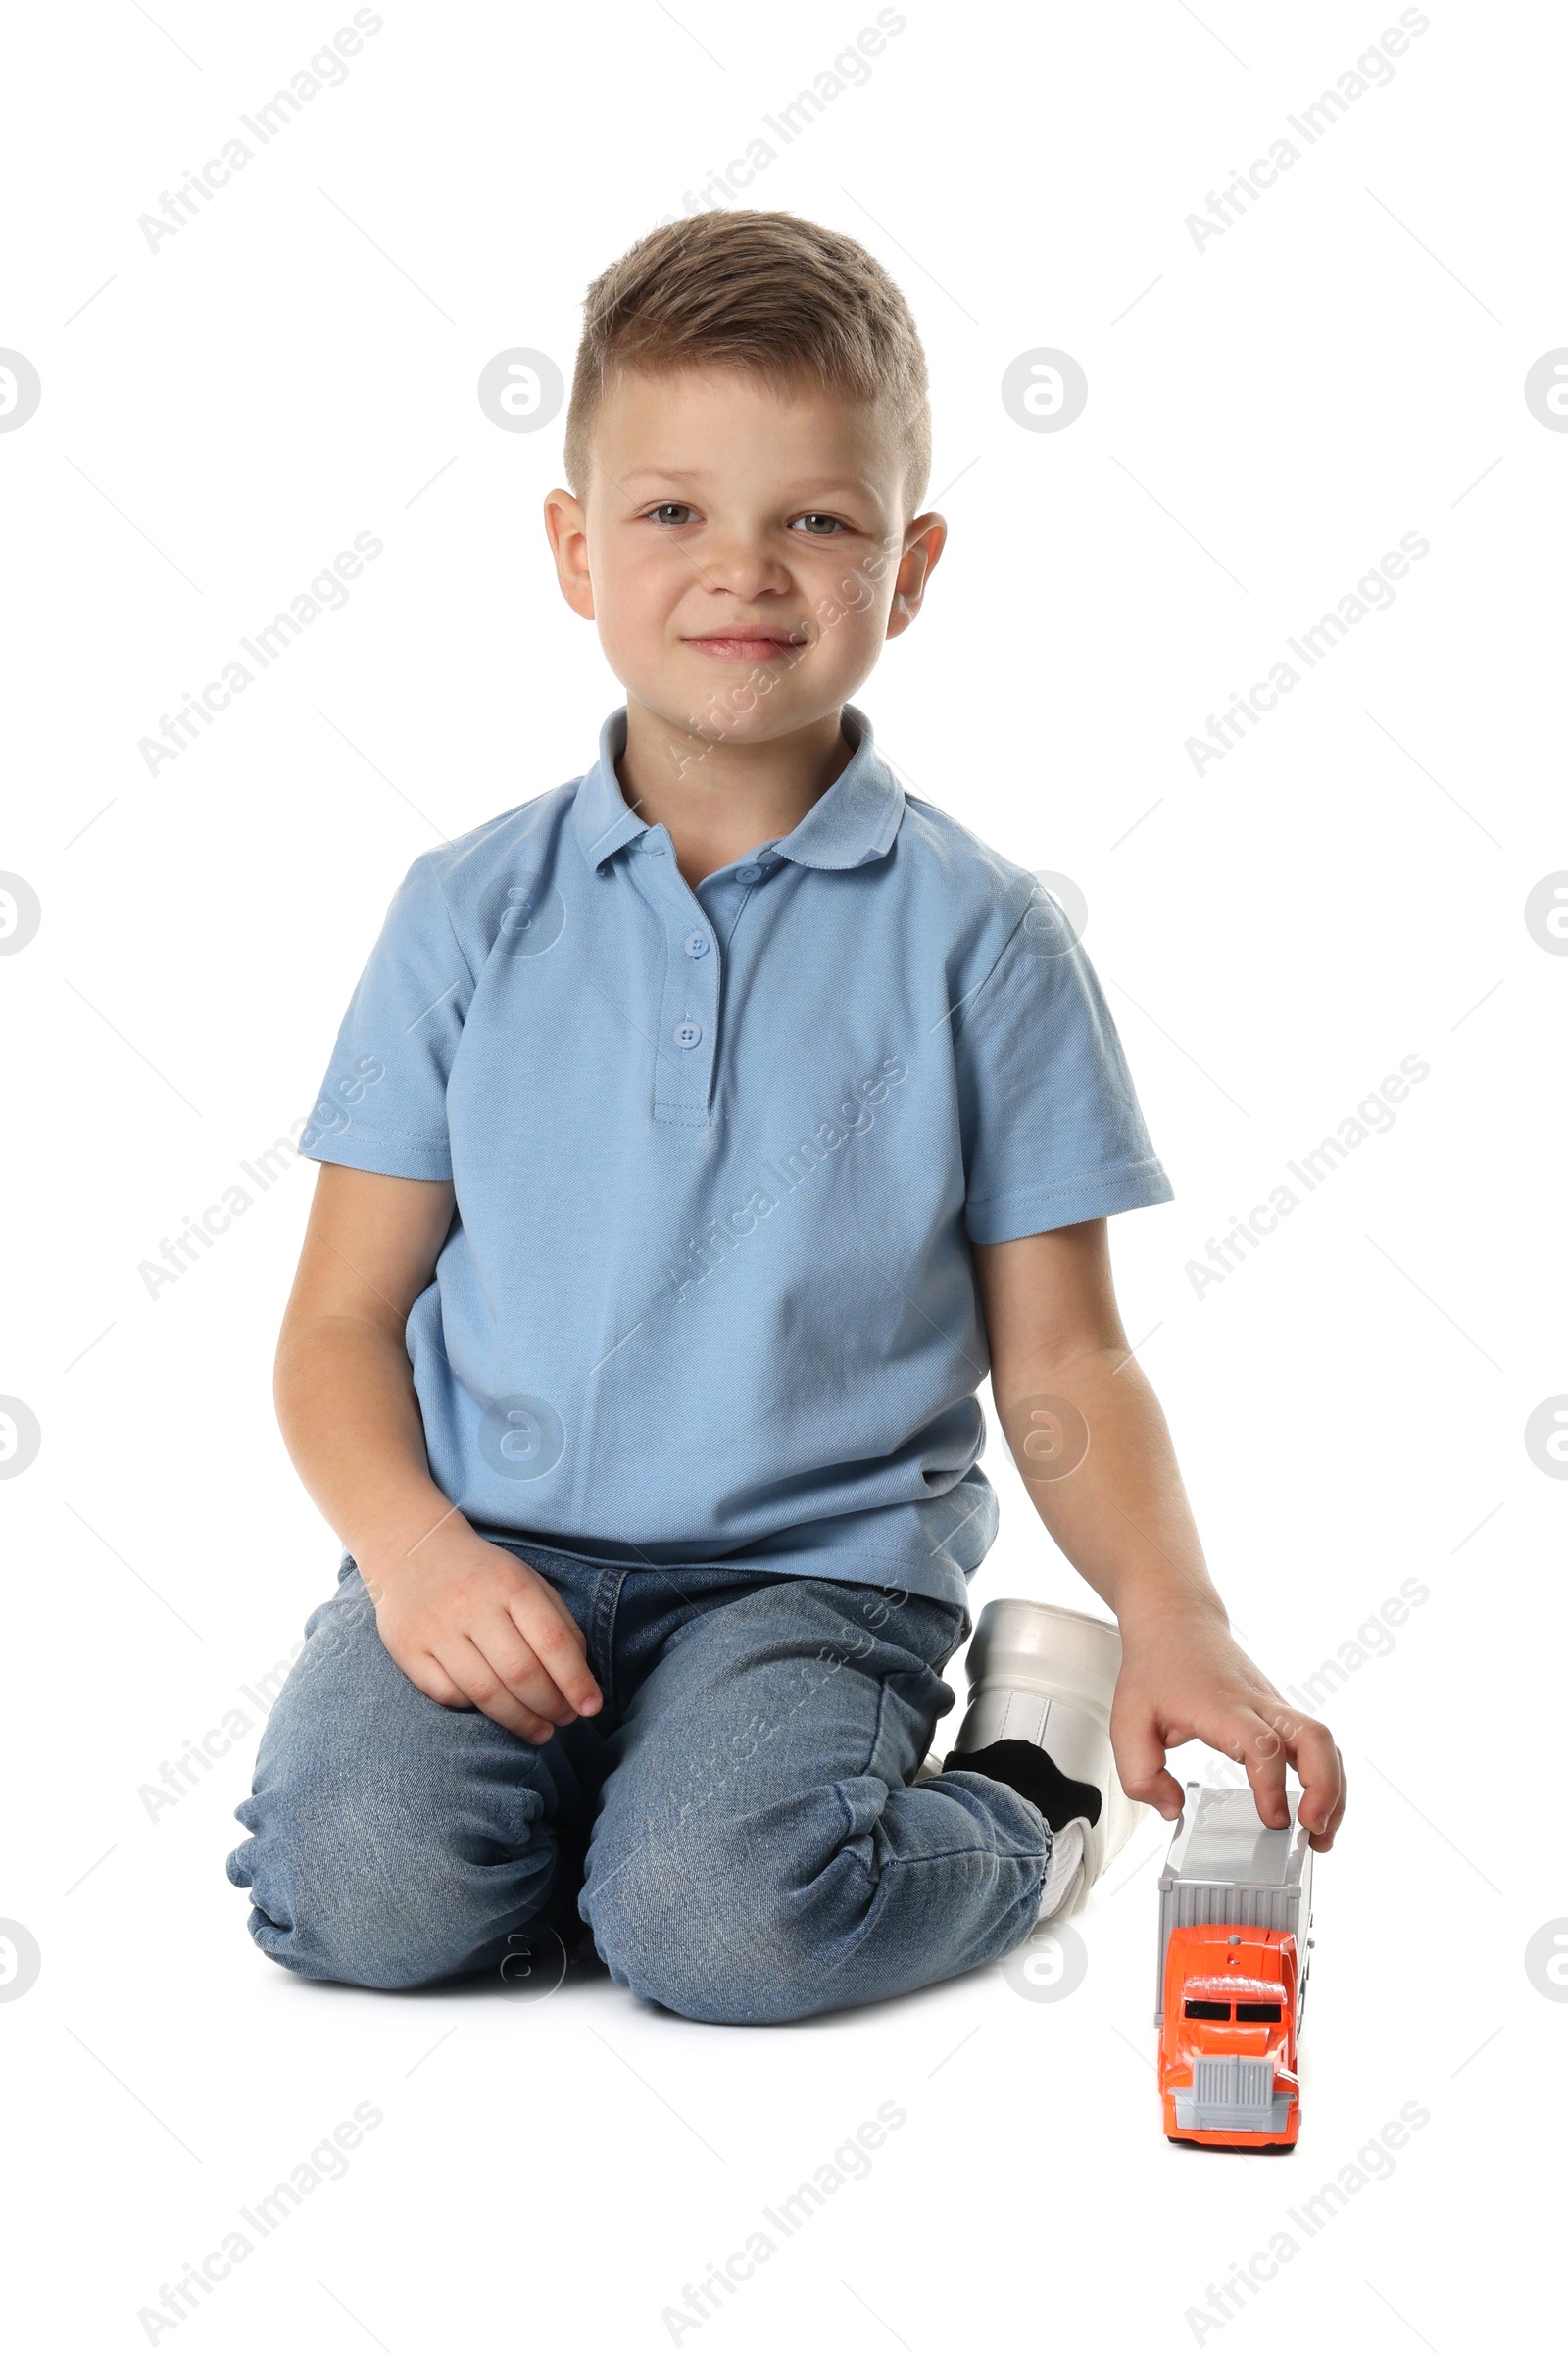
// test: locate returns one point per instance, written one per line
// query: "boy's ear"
(567, 527)
(923, 542)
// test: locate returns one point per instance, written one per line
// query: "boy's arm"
(1121, 1516)
(467, 1623)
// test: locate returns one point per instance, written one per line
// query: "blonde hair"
(767, 293)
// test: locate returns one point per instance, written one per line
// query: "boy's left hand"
(1185, 1678)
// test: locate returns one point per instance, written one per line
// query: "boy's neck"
(720, 799)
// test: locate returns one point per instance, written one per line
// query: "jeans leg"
(396, 1841)
(762, 1851)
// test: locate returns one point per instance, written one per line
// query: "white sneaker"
(1066, 1882)
(1045, 1676)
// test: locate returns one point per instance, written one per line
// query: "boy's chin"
(741, 714)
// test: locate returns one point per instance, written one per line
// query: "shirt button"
(651, 848)
(696, 942)
(748, 874)
(688, 1033)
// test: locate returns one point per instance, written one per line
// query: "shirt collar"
(603, 823)
(855, 821)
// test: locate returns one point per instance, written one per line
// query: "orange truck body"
(1230, 1994)
(1235, 1906)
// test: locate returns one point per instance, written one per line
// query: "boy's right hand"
(473, 1627)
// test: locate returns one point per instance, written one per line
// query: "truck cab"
(1227, 2057)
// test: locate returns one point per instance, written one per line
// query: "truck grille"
(1233, 2083)
(1232, 2096)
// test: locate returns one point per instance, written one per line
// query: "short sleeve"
(383, 1102)
(1053, 1131)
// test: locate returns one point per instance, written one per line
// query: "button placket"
(687, 1034)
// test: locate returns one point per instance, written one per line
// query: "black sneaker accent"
(1026, 1768)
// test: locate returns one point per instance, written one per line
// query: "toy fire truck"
(1235, 1904)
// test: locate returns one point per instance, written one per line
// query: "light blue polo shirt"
(719, 1157)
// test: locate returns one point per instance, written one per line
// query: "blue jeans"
(739, 1824)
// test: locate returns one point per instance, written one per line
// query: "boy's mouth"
(747, 645)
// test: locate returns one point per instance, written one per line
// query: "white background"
(1266, 415)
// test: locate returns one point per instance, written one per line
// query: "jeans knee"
(383, 1902)
(730, 1937)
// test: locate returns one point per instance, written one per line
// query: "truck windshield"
(1246, 2013)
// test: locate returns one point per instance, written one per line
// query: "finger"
(1260, 1747)
(426, 1673)
(1140, 1754)
(479, 1683)
(1320, 1769)
(556, 1640)
(1321, 1841)
(502, 1647)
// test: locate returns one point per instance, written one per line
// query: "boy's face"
(742, 549)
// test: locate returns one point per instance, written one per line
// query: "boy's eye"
(673, 512)
(817, 526)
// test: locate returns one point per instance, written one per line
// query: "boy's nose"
(746, 567)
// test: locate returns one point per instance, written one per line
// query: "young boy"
(697, 1136)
